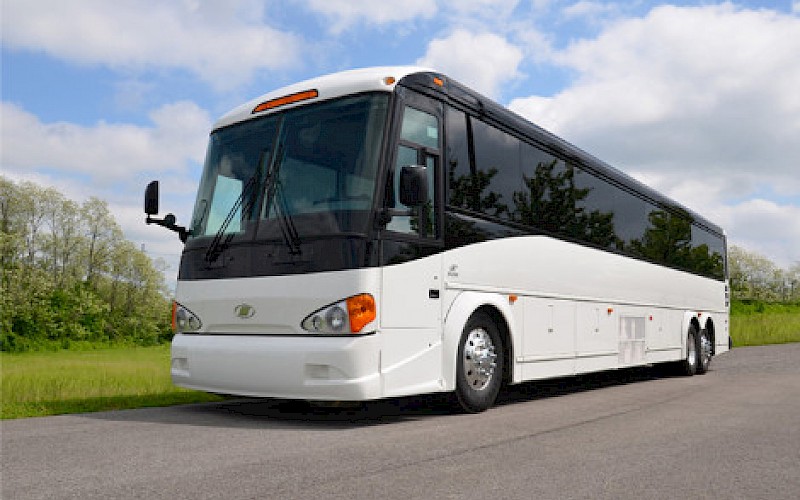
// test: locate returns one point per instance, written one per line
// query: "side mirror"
(151, 208)
(413, 185)
(151, 198)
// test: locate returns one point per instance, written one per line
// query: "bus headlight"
(184, 320)
(350, 315)
(335, 318)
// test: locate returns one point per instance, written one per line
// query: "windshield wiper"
(288, 228)
(218, 245)
(278, 202)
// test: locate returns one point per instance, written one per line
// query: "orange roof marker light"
(287, 99)
(438, 81)
(389, 80)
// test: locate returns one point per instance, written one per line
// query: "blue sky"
(697, 99)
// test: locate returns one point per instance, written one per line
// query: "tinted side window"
(459, 174)
(497, 171)
(708, 250)
(597, 210)
(420, 128)
(632, 218)
(666, 240)
(536, 203)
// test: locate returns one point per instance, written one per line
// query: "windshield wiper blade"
(285, 221)
(218, 245)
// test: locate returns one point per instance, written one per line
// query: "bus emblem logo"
(245, 311)
(453, 271)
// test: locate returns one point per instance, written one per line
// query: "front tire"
(479, 366)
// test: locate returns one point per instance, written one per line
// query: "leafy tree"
(102, 232)
(69, 276)
(755, 277)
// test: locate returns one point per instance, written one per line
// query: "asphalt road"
(732, 433)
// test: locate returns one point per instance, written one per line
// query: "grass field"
(51, 383)
(759, 324)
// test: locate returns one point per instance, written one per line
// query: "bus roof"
(377, 79)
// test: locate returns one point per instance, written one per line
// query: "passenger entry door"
(411, 244)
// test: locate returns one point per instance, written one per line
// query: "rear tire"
(479, 364)
(704, 350)
(688, 366)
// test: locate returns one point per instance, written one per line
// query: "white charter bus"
(388, 231)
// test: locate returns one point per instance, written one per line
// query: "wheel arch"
(463, 307)
(505, 335)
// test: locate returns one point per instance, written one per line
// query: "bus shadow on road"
(562, 386)
(385, 411)
(337, 415)
(265, 413)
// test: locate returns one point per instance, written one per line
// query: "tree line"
(755, 278)
(69, 276)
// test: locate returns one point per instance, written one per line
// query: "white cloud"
(766, 227)
(700, 103)
(346, 13)
(223, 43)
(483, 61)
(686, 90)
(105, 152)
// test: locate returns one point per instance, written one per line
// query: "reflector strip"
(287, 99)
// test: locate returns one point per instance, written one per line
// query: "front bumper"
(293, 367)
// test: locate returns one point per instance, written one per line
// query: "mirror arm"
(385, 215)
(169, 222)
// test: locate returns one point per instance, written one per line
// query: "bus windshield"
(307, 171)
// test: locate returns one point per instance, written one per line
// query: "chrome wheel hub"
(705, 349)
(479, 359)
